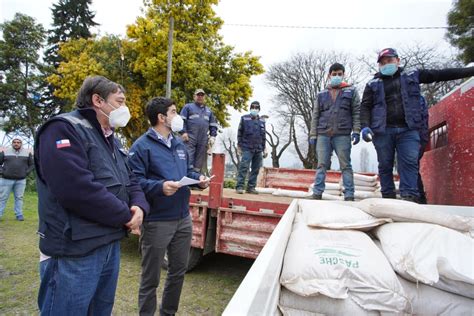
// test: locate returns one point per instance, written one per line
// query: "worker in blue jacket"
(392, 116)
(200, 129)
(159, 160)
(251, 141)
(87, 200)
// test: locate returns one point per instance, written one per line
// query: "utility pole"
(170, 55)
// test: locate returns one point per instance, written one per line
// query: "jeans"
(159, 238)
(80, 286)
(406, 143)
(253, 159)
(341, 144)
(18, 188)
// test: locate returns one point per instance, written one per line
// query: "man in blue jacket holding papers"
(160, 160)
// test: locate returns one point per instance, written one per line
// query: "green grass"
(207, 289)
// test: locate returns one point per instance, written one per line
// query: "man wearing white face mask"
(336, 115)
(159, 159)
(392, 116)
(88, 199)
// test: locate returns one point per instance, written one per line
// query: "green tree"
(72, 19)
(20, 95)
(200, 60)
(461, 28)
(200, 57)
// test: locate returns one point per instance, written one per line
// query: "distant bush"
(229, 183)
(31, 182)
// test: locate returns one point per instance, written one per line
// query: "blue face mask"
(388, 69)
(336, 81)
(254, 112)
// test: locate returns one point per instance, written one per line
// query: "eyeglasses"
(201, 94)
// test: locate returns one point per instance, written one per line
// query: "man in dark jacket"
(160, 161)
(251, 145)
(199, 130)
(16, 163)
(336, 115)
(392, 116)
(87, 200)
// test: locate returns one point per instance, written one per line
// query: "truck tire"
(195, 257)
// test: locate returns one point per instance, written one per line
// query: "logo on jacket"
(181, 154)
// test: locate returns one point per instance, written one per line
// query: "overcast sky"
(278, 44)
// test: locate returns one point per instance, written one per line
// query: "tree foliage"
(72, 19)
(200, 60)
(20, 95)
(461, 28)
(297, 82)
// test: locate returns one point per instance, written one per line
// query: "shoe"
(389, 196)
(20, 218)
(349, 198)
(317, 196)
(239, 191)
(410, 198)
(252, 191)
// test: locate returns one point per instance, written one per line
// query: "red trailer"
(447, 168)
(240, 224)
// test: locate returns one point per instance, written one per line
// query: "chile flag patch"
(62, 143)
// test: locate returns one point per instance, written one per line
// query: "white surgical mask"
(177, 124)
(119, 117)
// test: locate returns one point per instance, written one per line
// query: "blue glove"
(312, 141)
(355, 138)
(367, 134)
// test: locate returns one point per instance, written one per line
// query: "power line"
(338, 27)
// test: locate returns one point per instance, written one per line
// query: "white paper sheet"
(187, 181)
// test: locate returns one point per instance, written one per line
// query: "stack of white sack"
(302, 194)
(329, 188)
(431, 254)
(405, 211)
(339, 271)
(365, 186)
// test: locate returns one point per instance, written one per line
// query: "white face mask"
(177, 124)
(119, 117)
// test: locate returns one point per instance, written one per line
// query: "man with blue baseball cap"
(392, 117)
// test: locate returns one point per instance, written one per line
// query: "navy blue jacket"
(251, 133)
(85, 189)
(394, 101)
(153, 162)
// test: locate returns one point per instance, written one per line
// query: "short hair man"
(88, 199)
(199, 121)
(336, 114)
(392, 116)
(16, 163)
(159, 161)
(251, 143)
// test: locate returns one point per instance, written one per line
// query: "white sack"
(365, 188)
(340, 264)
(292, 304)
(427, 300)
(364, 183)
(330, 215)
(366, 195)
(331, 197)
(328, 186)
(333, 192)
(428, 252)
(405, 211)
(365, 178)
(292, 193)
(265, 190)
